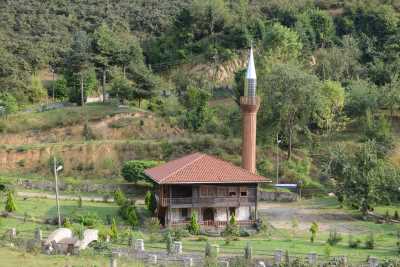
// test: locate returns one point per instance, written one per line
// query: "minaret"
(249, 104)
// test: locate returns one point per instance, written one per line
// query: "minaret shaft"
(249, 107)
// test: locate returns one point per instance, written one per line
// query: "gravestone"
(13, 233)
(153, 259)
(373, 262)
(139, 245)
(278, 257)
(188, 262)
(312, 259)
(260, 264)
(178, 247)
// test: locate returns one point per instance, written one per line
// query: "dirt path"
(281, 215)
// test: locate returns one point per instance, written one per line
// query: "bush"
(150, 201)
(370, 241)
(396, 215)
(133, 170)
(334, 238)
(10, 202)
(354, 243)
(194, 226)
(114, 230)
(119, 197)
(128, 213)
(169, 242)
(89, 219)
(314, 230)
(231, 229)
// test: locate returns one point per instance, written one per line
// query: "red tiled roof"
(201, 168)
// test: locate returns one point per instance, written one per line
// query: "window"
(184, 213)
(243, 191)
(232, 191)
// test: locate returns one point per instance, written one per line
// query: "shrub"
(114, 230)
(354, 243)
(334, 238)
(314, 230)
(169, 242)
(10, 202)
(150, 201)
(179, 233)
(370, 241)
(232, 229)
(80, 202)
(128, 213)
(67, 223)
(89, 219)
(396, 215)
(133, 170)
(119, 197)
(194, 226)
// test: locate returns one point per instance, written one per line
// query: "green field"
(263, 245)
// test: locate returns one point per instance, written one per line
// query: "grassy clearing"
(14, 258)
(46, 208)
(58, 118)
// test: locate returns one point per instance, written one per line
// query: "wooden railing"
(211, 223)
(165, 202)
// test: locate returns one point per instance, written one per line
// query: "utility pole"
(277, 158)
(57, 200)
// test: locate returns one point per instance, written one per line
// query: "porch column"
(256, 207)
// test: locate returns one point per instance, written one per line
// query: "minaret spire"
(249, 105)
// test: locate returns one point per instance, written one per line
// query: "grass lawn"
(15, 258)
(381, 210)
(46, 208)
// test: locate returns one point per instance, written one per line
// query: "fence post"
(153, 259)
(312, 258)
(278, 256)
(373, 262)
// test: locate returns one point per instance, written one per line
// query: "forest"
(328, 71)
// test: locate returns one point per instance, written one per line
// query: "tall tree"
(289, 97)
(78, 64)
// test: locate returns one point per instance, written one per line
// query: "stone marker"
(312, 258)
(278, 256)
(139, 245)
(189, 262)
(260, 264)
(153, 259)
(373, 262)
(38, 234)
(113, 262)
(178, 247)
(13, 233)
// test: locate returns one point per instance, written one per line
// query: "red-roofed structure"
(213, 188)
(201, 168)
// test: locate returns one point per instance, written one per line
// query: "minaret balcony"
(250, 103)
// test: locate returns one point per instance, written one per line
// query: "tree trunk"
(82, 97)
(104, 85)
(124, 71)
(290, 144)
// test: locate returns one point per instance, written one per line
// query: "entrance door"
(208, 214)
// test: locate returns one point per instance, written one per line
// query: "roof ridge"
(201, 155)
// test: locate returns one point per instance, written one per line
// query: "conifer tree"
(10, 202)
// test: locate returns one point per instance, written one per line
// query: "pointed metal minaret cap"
(251, 69)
